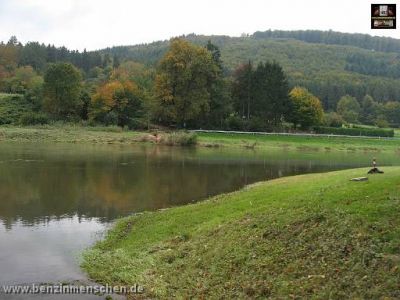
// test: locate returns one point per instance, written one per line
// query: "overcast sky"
(94, 24)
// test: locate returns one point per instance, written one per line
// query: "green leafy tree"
(306, 108)
(392, 112)
(349, 108)
(62, 90)
(181, 85)
(369, 110)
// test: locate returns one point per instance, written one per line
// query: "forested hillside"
(329, 64)
(273, 80)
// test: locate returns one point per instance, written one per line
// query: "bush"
(180, 139)
(12, 107)
(256, 124)
(234, 122)
(355, 131)
(32, 118)
(137, 123)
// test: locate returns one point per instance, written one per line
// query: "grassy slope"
(312, 236)
(78, 134)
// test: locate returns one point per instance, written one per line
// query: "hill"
(330, 64)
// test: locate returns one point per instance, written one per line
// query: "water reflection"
(46, 252)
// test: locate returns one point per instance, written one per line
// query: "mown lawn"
(317, 236)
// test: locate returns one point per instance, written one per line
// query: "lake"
(58, 199)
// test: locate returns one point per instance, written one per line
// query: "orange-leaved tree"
(116, 103)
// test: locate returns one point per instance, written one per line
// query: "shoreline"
(302, 235)
(115, 135)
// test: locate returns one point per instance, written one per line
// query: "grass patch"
(298, 142)
(316, 236)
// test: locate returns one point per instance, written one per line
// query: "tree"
(117, 103)
(62, 88)
(271, 93)
(349, 108)
(181, 85)
(33, 54)
(220, 100)
(116, 62)
(25, 79)
(369, 110)
(392, 112)
(242, 89)
(306, 108)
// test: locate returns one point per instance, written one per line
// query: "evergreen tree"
(242, 90)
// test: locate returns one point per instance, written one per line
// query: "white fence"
(296, 134)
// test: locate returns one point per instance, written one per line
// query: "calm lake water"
(56, 200)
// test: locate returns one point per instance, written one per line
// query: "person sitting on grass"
(374, 169)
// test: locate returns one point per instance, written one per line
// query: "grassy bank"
(299, 142)
(115, 135)
(312, 236)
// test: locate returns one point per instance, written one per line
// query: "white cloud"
(92, 24)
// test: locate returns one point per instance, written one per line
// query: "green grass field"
(299, 142)
(317, 236)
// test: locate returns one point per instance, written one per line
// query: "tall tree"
(62, 88)
(271, 92)
(116, 62)
(220, 100)
(242, 89)
(181, 85)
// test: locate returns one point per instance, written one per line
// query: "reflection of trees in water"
(109, 187)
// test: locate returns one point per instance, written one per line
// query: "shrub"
(234, 122)
(32, 118)
(180, 138)
(355, 131)
(256, 124)
(12, 107)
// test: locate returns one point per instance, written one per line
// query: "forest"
(273, 80)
